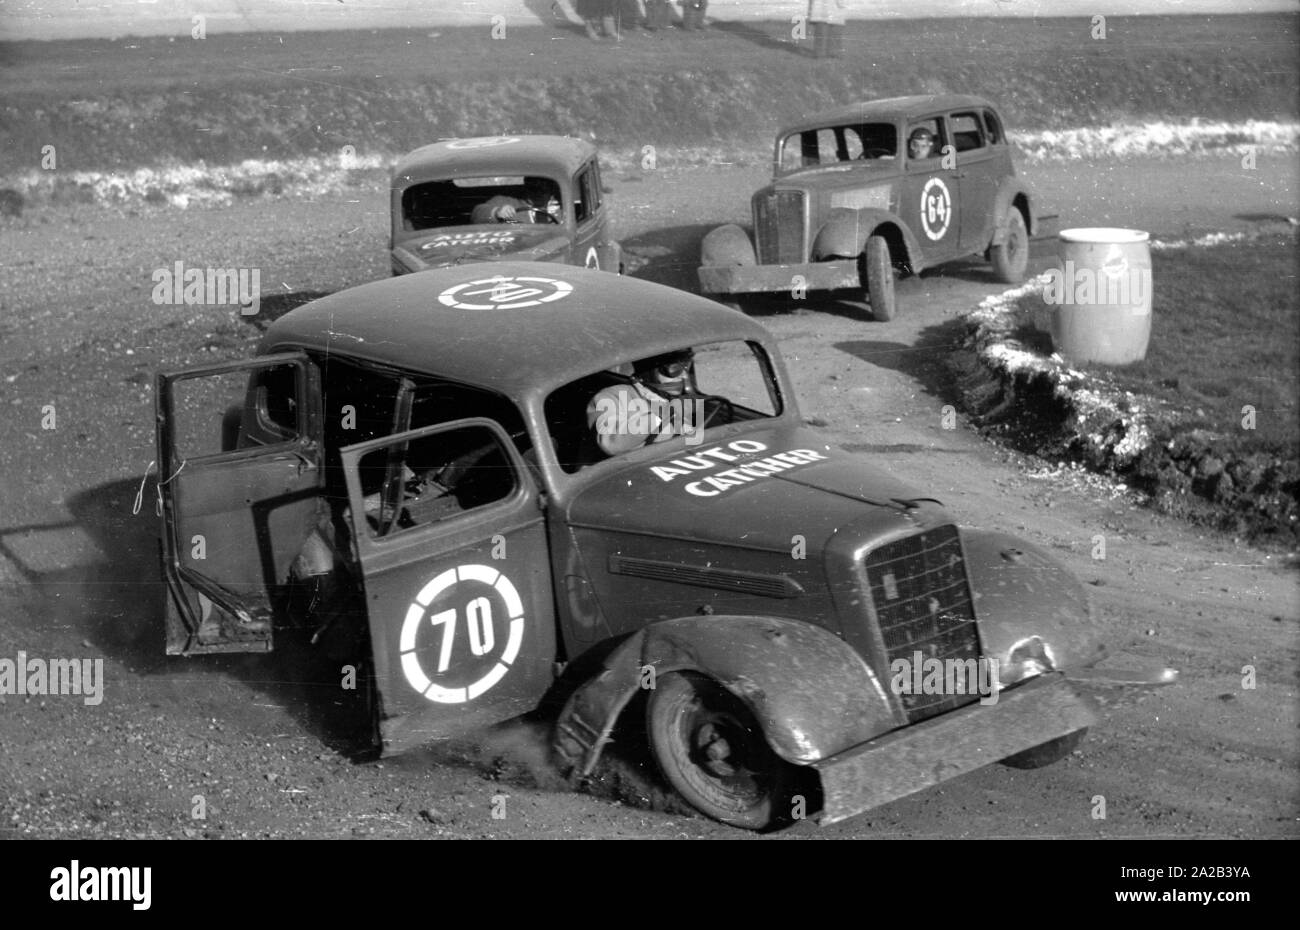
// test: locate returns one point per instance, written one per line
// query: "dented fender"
(811, 692)
(1034, 615)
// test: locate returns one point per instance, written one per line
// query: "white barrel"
(1100, 296)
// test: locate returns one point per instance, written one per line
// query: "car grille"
(778, 226)
(923, 604)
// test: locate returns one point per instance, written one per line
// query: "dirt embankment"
(1180, 426)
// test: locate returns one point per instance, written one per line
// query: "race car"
(495, 488)
(521, 197)
(866, 192)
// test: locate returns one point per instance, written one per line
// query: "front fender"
(845, 233)
(1033, 614)
(812, 694)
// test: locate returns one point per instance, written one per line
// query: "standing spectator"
(659, 14)
(599, 17)
(693, 13)
(633, 14)
(827, 20)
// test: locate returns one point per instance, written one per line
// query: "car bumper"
(914, 758)
(753, 279)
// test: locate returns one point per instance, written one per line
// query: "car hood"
(439, 248)
(756, 490)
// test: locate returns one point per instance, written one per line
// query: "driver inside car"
(540, 205)
(652, 406)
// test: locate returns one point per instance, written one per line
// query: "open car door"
(452, 546)
(234, 519)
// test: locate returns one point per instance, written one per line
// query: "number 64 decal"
(480, 635)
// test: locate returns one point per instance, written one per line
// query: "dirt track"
(78, 576)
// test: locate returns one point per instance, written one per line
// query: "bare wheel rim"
(719, 752)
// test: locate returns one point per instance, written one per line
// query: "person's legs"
(609, 17)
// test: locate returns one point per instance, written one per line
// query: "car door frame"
(406, 573)
(926, 183)
(977, 185)
(235, 614)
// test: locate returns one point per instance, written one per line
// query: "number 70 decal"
(480, 632)
(478, 614)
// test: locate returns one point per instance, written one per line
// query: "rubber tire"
(1047, 753)
(1011, 258)
(760, 799)
(879, 270)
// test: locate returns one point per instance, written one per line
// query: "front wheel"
(712, 750)
(879, 269)
(1011, 258)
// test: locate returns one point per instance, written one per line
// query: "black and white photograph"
(744, 420)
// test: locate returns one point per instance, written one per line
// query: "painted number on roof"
(483, 142)
(504, 292)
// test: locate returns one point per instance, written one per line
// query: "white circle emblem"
(482, 142)
(504, 292)
(936, 208)
(465, 637)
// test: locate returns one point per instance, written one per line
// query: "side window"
(596, 191)
(994, 127)
(275, 400)
(933, 128)
(434, 478)
(967, 133)
(584, 208)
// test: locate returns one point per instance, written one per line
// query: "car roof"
(427, 323)
(887, 109)
(484, 156)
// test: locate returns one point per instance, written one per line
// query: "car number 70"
(479, 622)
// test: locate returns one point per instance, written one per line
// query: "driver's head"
(667, 371)
(553, 208)
(536, 190)
(920, 143)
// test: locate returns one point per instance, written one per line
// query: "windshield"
(832, 145)
(674, 396)
(476, 201)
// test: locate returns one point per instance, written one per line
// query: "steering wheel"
(451, 473)
(721, 405)
(877, 152)
(539, 215)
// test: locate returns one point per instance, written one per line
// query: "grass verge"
(1208, 424)
(107, 104)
